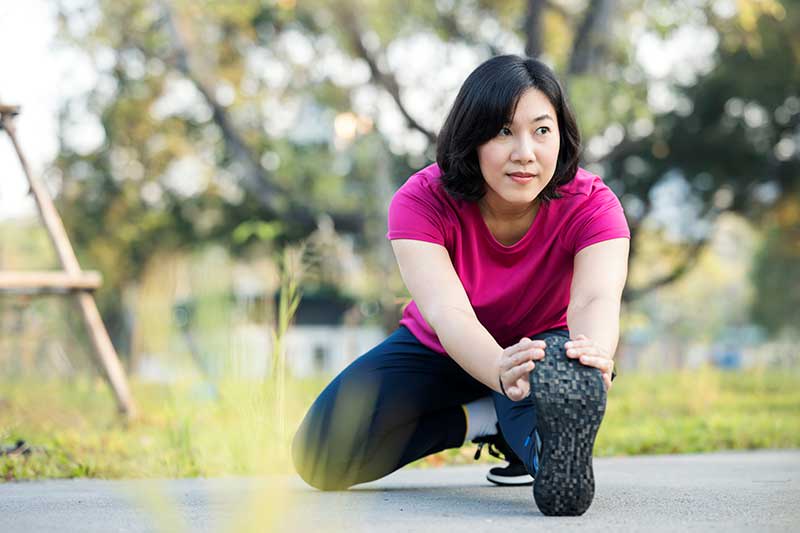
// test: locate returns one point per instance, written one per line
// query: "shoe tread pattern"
(570, 401)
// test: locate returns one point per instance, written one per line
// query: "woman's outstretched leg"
(565, 409)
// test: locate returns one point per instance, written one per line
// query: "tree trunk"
(533, 27)
(590, 44)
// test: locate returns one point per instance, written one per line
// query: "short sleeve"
(414, 213)
(599, 218)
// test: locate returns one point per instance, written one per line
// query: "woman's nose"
(524, 151)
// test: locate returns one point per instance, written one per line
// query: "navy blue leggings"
(397, 403)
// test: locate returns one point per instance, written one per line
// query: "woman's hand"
(591, 354)
(516, 364)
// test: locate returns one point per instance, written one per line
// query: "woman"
(516, 259)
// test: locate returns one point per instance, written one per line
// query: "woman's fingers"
(587, 350)
(515, 365)
(538, 343)
(578, 348)
(515, 380)
(583, 348)
(527, 355)
(577, 343)
(513, 374)
(603, 363)
(519, 390)
(521, 357)
(525, 344)
(519, 395)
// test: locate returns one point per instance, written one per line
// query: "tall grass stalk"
(291, 272)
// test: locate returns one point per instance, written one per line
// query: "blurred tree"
(183, 160)
(730, 141)
(776, 269)
(217, 114)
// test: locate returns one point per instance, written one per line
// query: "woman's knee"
(327, 447)
(332, 445)
(314, 466)
(312, 456)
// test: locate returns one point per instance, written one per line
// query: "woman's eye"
(504, 131)
(542, 129)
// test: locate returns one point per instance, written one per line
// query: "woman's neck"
(507, 214)
(513, 225)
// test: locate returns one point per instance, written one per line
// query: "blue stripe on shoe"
(537, 450)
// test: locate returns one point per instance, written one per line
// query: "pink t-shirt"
(518, 290)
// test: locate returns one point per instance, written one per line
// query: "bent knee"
(312, 462)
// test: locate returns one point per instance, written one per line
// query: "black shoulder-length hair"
(486, 102)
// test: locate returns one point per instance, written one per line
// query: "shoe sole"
(570, 401)
(515, 481)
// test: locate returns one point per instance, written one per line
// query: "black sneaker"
(570, 401)
(513, 474)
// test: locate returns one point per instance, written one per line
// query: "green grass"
(183, 432)
(702, 411)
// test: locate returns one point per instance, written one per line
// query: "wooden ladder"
(72, 280)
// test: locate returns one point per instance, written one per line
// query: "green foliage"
(291, 277)
(726, 132)
(776, 270)
(701, 410)
(182, 432)
(185, 432)
(263, 231)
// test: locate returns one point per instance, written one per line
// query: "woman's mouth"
(521, 177)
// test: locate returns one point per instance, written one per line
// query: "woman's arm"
(429, 275)
(597, 282)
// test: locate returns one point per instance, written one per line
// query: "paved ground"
(755, 491)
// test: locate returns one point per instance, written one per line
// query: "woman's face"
(520, 161)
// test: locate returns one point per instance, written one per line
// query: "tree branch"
(589, 44)
(257, 180)
(622, 150)
(350, 23)
(256, 177)
(455, 29)
(692, 256)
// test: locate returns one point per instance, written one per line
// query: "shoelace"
(491, 449)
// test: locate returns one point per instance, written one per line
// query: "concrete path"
(752, 491)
